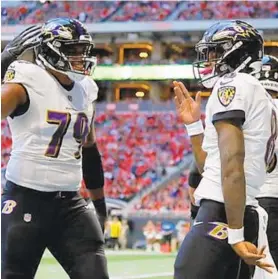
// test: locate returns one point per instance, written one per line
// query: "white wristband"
(195, 128)
(235, 235)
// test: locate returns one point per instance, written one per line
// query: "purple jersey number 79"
(63, 119)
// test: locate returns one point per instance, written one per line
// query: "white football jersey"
(47, 138)
(238, 96)
(270, 187)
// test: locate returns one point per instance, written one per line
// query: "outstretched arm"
(232, 153)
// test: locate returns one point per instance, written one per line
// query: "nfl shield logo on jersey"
(226, 95)
(27, 217)
(10, 74)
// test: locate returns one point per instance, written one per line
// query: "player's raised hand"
(25, 40)
(252, 255)
(189, 110)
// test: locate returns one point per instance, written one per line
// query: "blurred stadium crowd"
(173, 198)
(137, 148)
(29, 12)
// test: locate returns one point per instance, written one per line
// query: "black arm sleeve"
(194, 176)
(92, 167)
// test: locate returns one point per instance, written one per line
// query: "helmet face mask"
(227, 47)
(67, 47)
(209, 59)
(77, 57)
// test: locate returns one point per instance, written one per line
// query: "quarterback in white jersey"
(50, 110)
(233, 154)
(268, 197)
(232, 98)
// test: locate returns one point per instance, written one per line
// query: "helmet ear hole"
(232, 59)
(237, 57)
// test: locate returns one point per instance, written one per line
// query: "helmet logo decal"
(245, 33)
(235, 33)
(60, 31)
(223, 34)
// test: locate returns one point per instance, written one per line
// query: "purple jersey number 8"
(270, 159)
(63, 119)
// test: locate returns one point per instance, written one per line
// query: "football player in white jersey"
(232, 154)
(268, 197)
(50, 109)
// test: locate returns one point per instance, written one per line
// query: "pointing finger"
(266, 266)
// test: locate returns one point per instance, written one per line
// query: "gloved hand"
(27, 39)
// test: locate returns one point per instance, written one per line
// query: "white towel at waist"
(262, 241)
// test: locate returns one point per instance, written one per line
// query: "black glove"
(28, 38)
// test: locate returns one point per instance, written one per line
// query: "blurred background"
(141, 46)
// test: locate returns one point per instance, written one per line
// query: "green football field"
(121, 265)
